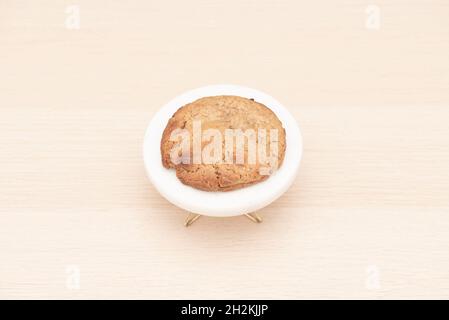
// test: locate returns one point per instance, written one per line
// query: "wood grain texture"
(371, 199)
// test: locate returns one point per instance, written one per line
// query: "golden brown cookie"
(218, 143)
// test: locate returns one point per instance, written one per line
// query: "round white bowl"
(230, 203)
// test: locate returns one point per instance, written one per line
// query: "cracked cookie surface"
(222, 113)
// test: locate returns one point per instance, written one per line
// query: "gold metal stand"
(192, 217)
(254, 217)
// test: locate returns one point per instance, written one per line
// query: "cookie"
(223, 143)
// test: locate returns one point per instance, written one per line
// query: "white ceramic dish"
(221, 204)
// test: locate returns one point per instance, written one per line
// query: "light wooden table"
(368, 216)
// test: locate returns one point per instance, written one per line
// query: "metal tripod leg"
(192, 217)
(254, 217)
